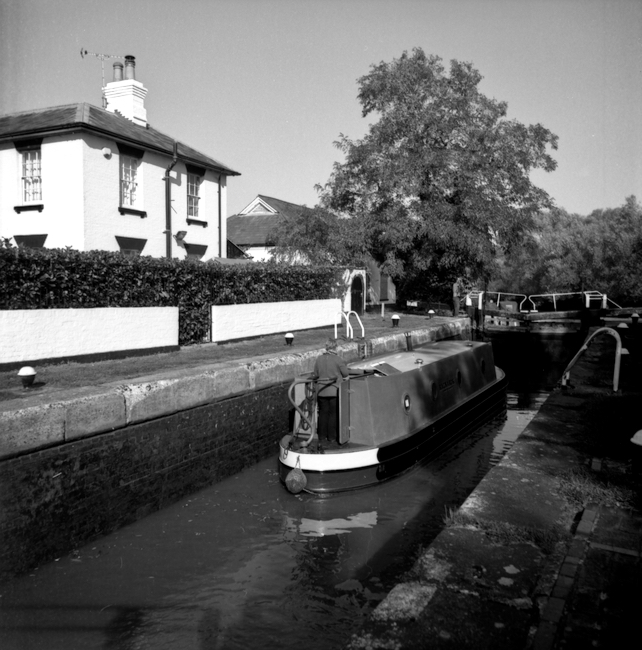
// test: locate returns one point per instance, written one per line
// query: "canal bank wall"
(93, 460)
(546, 552)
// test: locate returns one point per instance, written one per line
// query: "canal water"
(245, 564)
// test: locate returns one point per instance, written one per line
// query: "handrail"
(480, 296)
(349, 329)
(588, 296)
(619, 351)
(363, 331)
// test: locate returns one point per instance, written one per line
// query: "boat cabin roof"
(397, 362)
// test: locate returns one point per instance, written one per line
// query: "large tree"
(442, 178)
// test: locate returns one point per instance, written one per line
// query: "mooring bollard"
(27, 376)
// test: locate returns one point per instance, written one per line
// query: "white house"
(103, 178)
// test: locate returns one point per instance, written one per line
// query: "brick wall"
(58, 499)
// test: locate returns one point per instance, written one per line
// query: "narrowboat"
(406, 406)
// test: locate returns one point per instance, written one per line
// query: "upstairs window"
(131, 195)
(193, 184)
(195, 175)
(128, 181)
(31, 176)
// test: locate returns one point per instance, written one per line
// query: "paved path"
(54, 379)
(545, 553)
(596, 601)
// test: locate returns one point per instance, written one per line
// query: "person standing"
(329, 370)
(457, 294)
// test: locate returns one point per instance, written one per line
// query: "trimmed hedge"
(41, 278)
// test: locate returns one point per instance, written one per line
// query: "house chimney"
(118, 71)
(130, 67)
(126, 96)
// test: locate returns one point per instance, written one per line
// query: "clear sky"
(267, 86)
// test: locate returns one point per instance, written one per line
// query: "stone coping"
(81, 413)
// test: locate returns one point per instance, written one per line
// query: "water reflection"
(245, 564)
(320, 528)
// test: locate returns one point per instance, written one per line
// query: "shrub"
(65, 278)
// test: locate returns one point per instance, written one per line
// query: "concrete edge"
(116, 406)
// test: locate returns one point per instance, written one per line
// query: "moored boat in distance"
(409, 405)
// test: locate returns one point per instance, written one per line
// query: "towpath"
(546, 552)
(54, 381)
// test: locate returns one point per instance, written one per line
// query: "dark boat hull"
(393, 458)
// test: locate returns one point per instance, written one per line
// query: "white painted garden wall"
(258, 319)
(33, 334)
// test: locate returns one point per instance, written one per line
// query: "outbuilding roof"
(84, 116)
(253, 228)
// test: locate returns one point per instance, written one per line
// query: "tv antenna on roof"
(102, 57)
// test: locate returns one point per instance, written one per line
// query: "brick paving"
(602, 606)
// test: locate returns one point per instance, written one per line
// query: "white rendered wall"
(104, 222)
(207, 212)
(258, 253)
(62, 194)
(103, 197)
(81, 197)
(8, 187)
(258, 319)
(32, 334)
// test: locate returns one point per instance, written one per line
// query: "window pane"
(128, 184)
(31, 176)
(193, 183)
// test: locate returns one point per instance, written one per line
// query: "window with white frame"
(31, 175)
(128, 180)
(193, 184)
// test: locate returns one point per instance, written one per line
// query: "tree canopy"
(318, 237)
(569, 252)
(441, 180)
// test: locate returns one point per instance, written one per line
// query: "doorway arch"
(356, 295)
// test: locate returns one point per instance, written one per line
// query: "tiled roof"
(253, 229)
(61, 119)
(284, 207)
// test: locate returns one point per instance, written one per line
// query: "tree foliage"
(318, 237)
(568, 252)
(440, 181)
